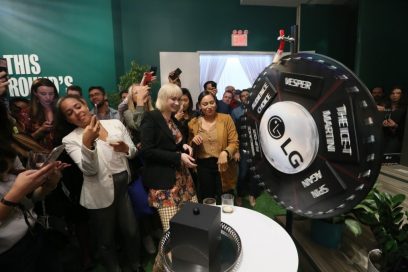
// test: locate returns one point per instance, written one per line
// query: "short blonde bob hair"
(166, 91)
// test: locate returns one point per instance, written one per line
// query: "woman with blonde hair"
(165, 161)
(138, 102)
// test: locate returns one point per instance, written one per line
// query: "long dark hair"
(62, 126)
(205, 93)
(402, 102)
(200, 97)
(36, 112)
(187, 93)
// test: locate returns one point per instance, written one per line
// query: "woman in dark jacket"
(166, 174)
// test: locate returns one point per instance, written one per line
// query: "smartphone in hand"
(153, 70)
(175, 74)
(148, 76)
(55, 153)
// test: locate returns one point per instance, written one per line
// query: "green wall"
(329, 30)
(151, 26)
(382, 42)
(148, 27)
(380, 50)
(72, 38)
(92, 42)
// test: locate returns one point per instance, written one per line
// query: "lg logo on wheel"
(289, 137)
(276, 127)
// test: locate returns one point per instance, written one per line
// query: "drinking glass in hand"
(36, 159)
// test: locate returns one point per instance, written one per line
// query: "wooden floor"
(352, 255)
(394, 179)
(398, 172)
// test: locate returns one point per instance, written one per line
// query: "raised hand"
(91, 132)
(180, 113)
(142, 94)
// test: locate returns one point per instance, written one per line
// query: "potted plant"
(329, 232)
(134, 75)
(388, 222)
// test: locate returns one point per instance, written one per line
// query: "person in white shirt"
(101, 150)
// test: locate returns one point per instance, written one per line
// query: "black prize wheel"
(313, 135)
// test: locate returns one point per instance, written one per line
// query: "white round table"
(266, 246)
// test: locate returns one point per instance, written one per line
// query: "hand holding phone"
(153, 70)
(175, 74)
(148, 76)
(142, 94)
(37, 160)
(55, 153)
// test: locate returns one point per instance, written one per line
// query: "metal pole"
(295, 35)
(293, 50)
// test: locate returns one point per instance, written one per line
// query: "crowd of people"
(392, 106)
(181, 154)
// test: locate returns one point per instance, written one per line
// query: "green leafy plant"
(388, 222)
(134, 75)
(349, 220)
(114, 99)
